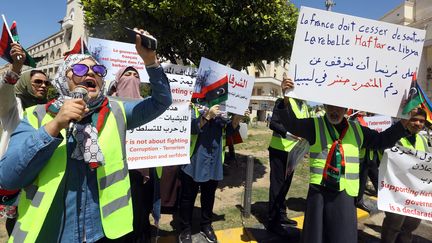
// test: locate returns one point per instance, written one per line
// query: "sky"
(37, 20)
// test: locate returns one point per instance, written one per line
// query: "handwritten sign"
(240, 85)
(405, 183)
(165, 140)
(378, 123)
(353, 62)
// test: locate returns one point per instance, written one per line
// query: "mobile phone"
(147, 41)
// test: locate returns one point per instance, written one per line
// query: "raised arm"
(141, 112)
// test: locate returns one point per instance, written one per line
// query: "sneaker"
(285, 220)
(185, 237)
(208, 233)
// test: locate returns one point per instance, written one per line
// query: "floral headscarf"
(85, 135)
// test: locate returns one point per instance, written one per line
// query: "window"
(257, 74)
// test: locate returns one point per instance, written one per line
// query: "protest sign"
(212, 74)
(405, 182)
(165, 140)
(378, 123)
(116, 55)
(353, 62)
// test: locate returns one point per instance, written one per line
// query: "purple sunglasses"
(81, 70)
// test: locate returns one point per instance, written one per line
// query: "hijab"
(85, 134)
(127, 86)
(24, 91)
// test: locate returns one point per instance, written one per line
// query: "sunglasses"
(40, 82)
(81, 70)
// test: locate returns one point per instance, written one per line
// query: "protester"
(281, 144)
(205, 170)
(84, 197)
(17, 92)
(396, 227)
(334, 168)
(369, 162)
(127, 85)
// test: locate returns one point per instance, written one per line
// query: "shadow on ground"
(235, 171)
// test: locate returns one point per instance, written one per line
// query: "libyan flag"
(414, 96)
(5, 46)
(212, 94)
(79, 48)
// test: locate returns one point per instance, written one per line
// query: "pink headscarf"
(127, 86)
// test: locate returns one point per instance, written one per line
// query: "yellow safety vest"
(420, 146)
(351, 145)
(287, 144)
(113, 181)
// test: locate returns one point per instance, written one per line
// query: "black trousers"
(189, 191)
(330, 217)
(142, 204)
(368, 167)
(278, 163)
(398, 228)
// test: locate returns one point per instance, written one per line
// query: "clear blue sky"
(39, 19)
(371, 9)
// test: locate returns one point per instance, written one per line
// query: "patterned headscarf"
(87, 147)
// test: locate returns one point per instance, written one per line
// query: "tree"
(234, 32)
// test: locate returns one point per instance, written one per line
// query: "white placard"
(353, 62)
(165, 140)
(405, 183)
(378, 123)
(240, 85)
(116, 55)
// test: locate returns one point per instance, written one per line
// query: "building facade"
(53, 47)
(417, 14)
(266, 88)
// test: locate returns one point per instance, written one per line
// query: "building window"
(257, 74)
(259, 91)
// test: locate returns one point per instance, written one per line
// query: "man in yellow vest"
(281, 144)
(396, 227)
(69, 159)
(334, 168)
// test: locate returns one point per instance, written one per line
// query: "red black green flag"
(77, 49)
(414, 96)
(212, 94)
(5, 46)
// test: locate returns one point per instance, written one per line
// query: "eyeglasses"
(40, 82)
(81, 70)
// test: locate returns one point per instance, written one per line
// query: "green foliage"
(52, 93)
(228, 31)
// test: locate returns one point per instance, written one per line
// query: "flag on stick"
(10, 36)
(79, 48)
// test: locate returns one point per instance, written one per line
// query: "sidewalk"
(369, 230)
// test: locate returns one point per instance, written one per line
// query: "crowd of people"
(64, 178)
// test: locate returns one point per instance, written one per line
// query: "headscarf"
(24, 91)
(85, 135)
(127, 86)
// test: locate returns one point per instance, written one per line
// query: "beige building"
(417, 14)
(53, 47)
(266, 88)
